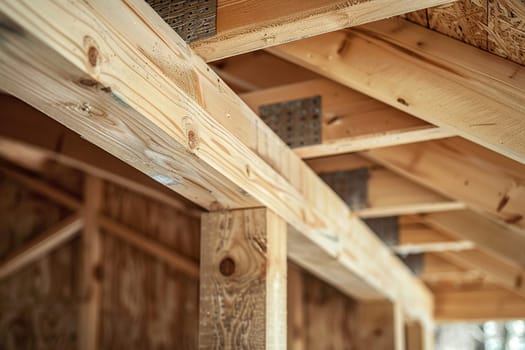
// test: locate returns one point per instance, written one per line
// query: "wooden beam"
(41, 245)
(488, 235)
(458, 246)
(243, 280)
(249, 25)
(496, 270)
(91, 265)
(129, 84)
(415, 69)
(389, 194)
(351, 121)
(478, 305)
(60, 144)
(482, 179)
(170, 257)
(415, 238)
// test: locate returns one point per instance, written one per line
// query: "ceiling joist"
(249, 25)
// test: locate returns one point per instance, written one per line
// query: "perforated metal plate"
(191, 19)
(351, 186)
(297, 122)
(415, 262)
(386, 228)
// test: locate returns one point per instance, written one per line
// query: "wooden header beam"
(443, 81)
(249, 25)
(130, 85)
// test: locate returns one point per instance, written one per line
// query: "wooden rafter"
(395, 61)
(350, 120)
(463, 171)
(136, 90)
(389, 194)
(478, 304)
(249, 25)
(489, 235)
(41, 245)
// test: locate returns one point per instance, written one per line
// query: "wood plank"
(389, 194)
(496, 270)
(482, 179)
(458, 246)
(91, 265)
(477, 305)
(60, 144)
(41, 245)
(488, 235)
(243, 280)
(249, 25)
(415, 69)
(351, 121)
(130, 85)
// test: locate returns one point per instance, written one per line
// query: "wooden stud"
(296, 309)
(111, 82)
(395, 61)
(41, 245)
(377, 326)
(250, 25)
(243, 280)
(91, 273)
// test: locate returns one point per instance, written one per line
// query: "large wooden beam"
(243, 280)
(41, 245)
(483, 304)
(416, 70)
(350, 120)
(130, 85)
(250, 25)
(482, 179)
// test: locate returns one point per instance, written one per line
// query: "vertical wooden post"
(399, 328)
(90, 283)
(296, 322)
(378, 327)
(419, 337)
(243, 280)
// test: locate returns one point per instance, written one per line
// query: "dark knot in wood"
(92, 56)
(227, 266)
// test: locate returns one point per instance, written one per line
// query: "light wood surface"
(415, 69)
(243, 280)
(249, 25)
(140, 93)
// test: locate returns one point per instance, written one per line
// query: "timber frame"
(130, 94)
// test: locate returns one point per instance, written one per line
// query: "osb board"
(497, 26)
(38, 303)
(173, 228)
(145, 304)
(329, 316)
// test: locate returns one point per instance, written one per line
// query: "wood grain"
(243, 280)
(414, 69)
(140, 93)
(250, 25)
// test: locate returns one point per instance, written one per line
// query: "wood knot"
(98, 273)
(193, 139)
(88, 82)
(92, 56)
(402, 101)
(227, 267)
